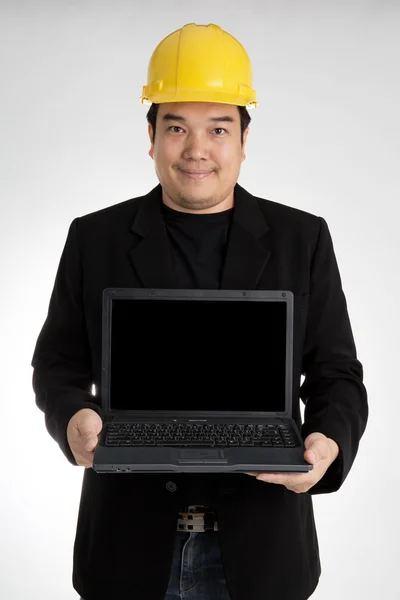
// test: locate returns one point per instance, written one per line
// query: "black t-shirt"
(198, 246)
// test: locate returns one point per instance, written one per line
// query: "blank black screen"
(197, 355)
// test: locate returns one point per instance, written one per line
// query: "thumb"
(89, 441)
(89, 428)
(312, 453)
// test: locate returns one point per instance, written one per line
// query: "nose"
(196, 148)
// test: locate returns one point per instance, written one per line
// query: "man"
(200, 229)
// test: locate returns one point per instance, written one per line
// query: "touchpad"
(201, 454)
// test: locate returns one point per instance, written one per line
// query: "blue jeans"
(197, 571)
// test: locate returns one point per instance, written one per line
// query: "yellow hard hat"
(199, 63)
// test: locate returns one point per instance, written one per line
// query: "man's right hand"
(82, 431)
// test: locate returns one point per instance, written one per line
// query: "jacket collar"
(247, 250)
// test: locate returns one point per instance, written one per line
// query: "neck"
(220, 206)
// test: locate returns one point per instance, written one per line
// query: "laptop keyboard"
(183, 435)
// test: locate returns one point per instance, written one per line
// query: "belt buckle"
(195, 518)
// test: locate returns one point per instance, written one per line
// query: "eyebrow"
(223, 119)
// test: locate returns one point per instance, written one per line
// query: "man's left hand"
(320, 451)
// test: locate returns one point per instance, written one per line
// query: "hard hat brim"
(200, 96)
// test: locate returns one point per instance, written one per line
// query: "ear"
(245, 134)
(151, 151)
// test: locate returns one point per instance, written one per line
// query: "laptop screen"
(198, 355)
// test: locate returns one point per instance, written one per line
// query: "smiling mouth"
(196, 174)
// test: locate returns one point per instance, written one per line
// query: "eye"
(177, 127)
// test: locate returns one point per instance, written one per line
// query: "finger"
(273, 478)
(253, 474)
(283, 478)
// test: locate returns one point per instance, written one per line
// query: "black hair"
(243, 112)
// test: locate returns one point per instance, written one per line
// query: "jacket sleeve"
(62, 367)
(333, 392)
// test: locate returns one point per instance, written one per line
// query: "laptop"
(197, 381)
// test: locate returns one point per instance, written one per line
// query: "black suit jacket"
(126, 523)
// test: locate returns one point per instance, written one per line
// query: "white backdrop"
(324, 139)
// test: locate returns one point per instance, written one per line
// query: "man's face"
(187, 139)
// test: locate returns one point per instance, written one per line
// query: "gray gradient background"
(324, 139)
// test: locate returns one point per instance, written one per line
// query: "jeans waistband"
(197, 518)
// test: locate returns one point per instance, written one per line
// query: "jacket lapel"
(150, 254)
(247, 250)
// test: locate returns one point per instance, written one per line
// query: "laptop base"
(184, 460)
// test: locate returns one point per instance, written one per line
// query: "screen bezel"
(110, 294)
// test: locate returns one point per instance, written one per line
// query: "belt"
(197, 518)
